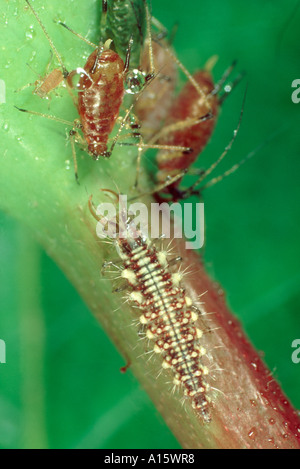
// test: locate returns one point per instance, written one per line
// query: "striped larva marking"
(167, 314)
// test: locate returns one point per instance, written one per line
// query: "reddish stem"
(249, 409)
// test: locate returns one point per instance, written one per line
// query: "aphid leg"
(167, 129)
(35, 84)
(192, 190)
(47, 116)
(142, 146)
(160, 187)
(234, 167)
(100, 48)
(155, 147)
(189, 77)
(138, 165)
(73, 134)
(180, 125)
(149, 38)
(43, 85)
(162, 30)
(53, 79)
(218, 161)
(117, 136)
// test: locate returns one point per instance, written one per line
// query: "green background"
(71, 394)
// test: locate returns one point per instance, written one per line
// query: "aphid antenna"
(186, 73)
(77, 34)
(192, 190)
(57, 55)
(154, 146)
(244, 160)
(162, 30)
(160, 187)
(36, 73)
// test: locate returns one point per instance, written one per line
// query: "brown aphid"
(49, 83)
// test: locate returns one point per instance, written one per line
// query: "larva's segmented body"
(100, 95)
(188, 105)
(168, 315)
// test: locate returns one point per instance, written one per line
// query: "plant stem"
(38, 188)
